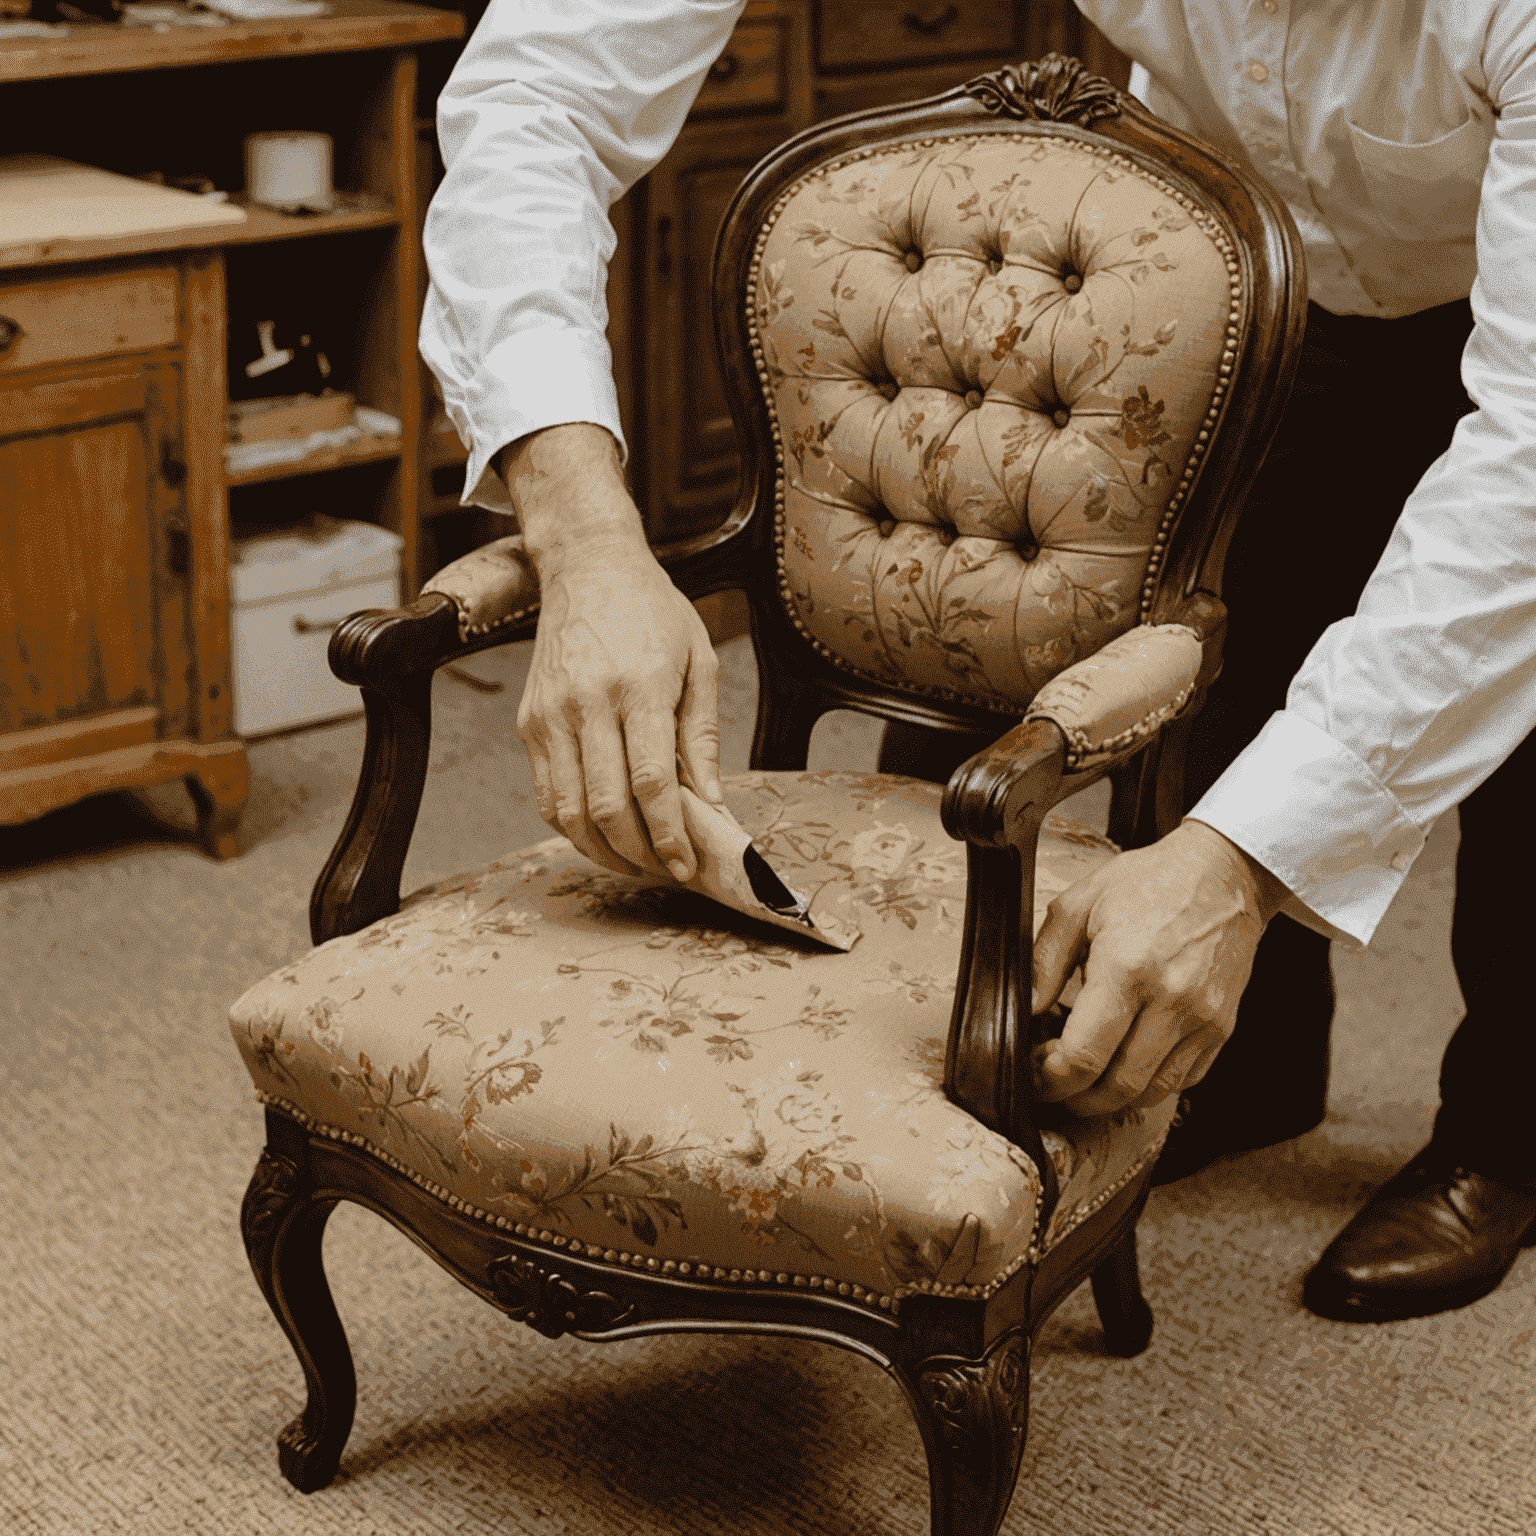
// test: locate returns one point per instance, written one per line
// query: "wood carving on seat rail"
(548, 1301)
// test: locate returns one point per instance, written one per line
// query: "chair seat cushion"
(621, 1068)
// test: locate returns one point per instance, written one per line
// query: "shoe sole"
(1342, 1304)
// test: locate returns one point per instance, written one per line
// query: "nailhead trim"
(690, 1269)
(1202, 220)
(468, 630)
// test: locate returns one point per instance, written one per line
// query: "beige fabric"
(492, 586)
(727, 864)
(1117, 698)
(615, 1063)
(989, 359)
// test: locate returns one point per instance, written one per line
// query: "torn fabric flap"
(732, 872)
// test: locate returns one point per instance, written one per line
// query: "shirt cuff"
(536, 379)
(1310, 811)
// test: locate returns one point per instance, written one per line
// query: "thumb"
(1059, 946)
(698, 726)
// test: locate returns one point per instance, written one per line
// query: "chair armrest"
(1094, 717)
(494, 588)
(488, 598)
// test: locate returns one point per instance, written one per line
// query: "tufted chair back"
(981, 350)
(990, 359)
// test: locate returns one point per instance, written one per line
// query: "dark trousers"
(1374, 406)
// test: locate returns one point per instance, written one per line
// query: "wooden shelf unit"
(125, 678)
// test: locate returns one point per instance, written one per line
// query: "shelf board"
(111, 50)
(261, 224)
(366, 450)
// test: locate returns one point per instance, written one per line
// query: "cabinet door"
(94, 650)
(690, 459)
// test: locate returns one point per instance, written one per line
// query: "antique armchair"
(1004, 364)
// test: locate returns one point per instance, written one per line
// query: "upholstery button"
(1027, 548)
(1257, 72)
(887, 527)
(890, 389)
(946, 535)
(1061, 418)
(1071, 282)
(914, 260)
(973, 399)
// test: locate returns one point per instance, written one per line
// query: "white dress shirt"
(1401, 133)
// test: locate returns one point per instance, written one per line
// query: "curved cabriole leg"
(1123, 1310)
(283, 1227)
(973, 1415)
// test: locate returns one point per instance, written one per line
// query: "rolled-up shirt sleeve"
(555, 109)
(1402, 710)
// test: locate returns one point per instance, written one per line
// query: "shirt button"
(1258, 73)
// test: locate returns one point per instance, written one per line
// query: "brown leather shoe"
(1434, 1237)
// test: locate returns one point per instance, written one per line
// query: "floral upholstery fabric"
(990, 360)
(621, 1068)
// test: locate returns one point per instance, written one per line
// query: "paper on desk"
(732, 872)
(44, 199)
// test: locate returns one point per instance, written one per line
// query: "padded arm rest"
(492, 588)
(1116, 700)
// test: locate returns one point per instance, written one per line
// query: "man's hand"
(1166, 936)
(624, 683)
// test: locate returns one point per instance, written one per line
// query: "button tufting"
(913, 259)
(973, 399)
(1027, 548)
(887, 527)
(1071, 282)
(946, 536)
(1061, 418)
(890, 389)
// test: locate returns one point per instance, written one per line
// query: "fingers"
(1104, 1014)
(1059, 946)
(698, 724)
(606, 773)
(1151, 1063)
(562, 800)
(650, 743)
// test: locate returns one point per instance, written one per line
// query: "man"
(1402, 133)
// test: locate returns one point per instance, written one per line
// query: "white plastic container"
(288, 591)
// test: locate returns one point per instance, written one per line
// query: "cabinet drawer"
(864, 34)
(282, 675)
(749, 76)
(76, 319)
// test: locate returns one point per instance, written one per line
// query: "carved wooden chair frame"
(964, 1364)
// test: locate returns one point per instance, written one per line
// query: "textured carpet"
(142, 1379)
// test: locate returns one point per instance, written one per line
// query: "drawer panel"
(864, 34)
(283, 676)
(749, 76)
(77, 319)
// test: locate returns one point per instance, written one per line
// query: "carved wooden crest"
(546, 1300)
(1055, 89)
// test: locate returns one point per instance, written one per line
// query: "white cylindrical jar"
(290, 171)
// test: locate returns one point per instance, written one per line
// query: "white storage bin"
(288, 591)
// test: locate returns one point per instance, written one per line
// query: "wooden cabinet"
(114, 649)
(116, 507)
(790, 63)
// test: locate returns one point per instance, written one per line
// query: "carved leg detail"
(1123, 1310)
(973, 1415)
(283, 1227)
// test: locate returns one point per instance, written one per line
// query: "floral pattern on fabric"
(630, 1065)
(989, 359)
